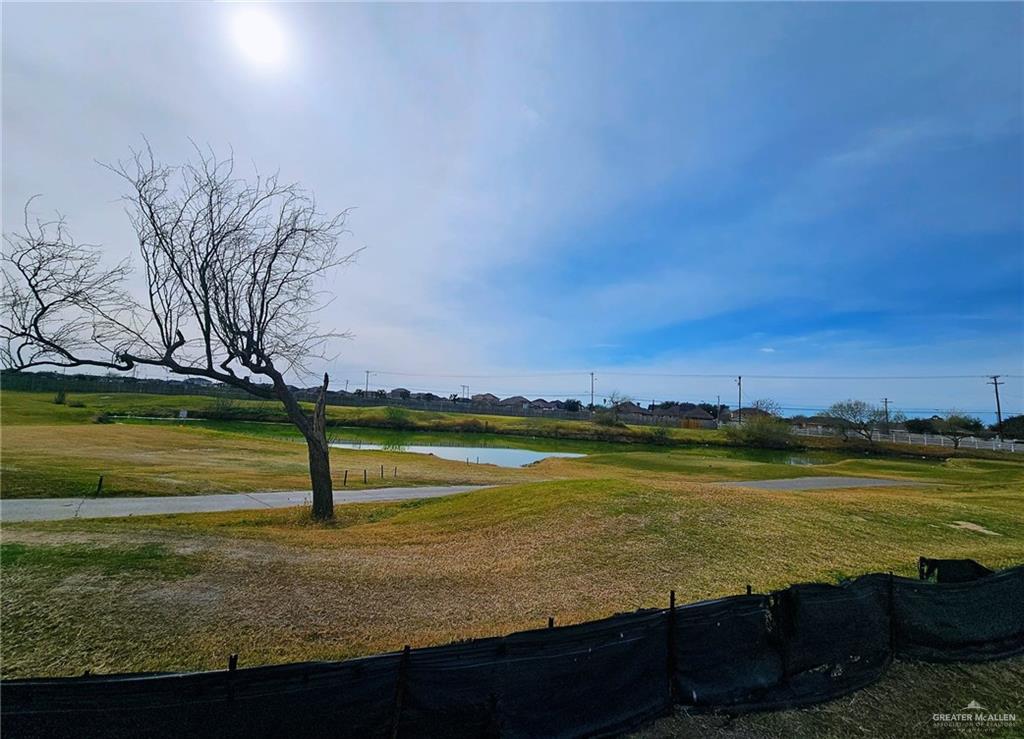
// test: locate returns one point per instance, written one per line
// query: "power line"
(710, 376)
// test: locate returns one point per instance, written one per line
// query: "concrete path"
(816, 483)
(53, 509)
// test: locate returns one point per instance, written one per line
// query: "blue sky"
(797, 189)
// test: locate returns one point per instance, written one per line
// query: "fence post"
(382, 472)
(749, 589)
(364, 476)
(670, 662)
(99, 486)
(403, 666)
(344, 480)
(396, 472)
(551, 622)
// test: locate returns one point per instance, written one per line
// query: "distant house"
(516, 401)
(631, 407)
(698, 414)
(399, 393)
(197, 381)
(747, 413)
(676, 410)
(485, 398)
(542, 405)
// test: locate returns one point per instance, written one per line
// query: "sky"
(667, 195)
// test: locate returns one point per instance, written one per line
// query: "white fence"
(905, 437)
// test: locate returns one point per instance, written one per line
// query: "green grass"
(110, 561)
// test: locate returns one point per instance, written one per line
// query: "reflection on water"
(502, 457)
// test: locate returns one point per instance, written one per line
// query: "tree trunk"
(320, 459)
(320, 477)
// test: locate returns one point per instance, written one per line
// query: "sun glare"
(259, 38)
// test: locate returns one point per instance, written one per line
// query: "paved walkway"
(817, 483)
(53, 509)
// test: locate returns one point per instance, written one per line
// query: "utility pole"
(367, 390)
(346, 386)
(994, 382)
(718, 408)
(465, 391)
(591, 392)
(885, 402)
(739, 408)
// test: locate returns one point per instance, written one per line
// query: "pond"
(500, 456)
(499, 449)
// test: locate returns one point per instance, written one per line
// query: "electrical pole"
(367, 390)
(718, 408)
(739, 408)
(346, 386)
(465, 391)
(591, 392)
(885, 402)
(999, 410)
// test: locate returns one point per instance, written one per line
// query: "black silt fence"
(793, 647)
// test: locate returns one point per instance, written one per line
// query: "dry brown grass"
(899, 706)
(274, 587)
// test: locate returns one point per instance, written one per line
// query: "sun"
(259, 37)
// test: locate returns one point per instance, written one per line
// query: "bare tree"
(957, 426)
(232, 269)
(855, 416)
(767, 405)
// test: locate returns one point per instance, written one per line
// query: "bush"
(61, 397)
(606, 417)
(765, 432)
(919, 425)
(659, 435)
(76, 404)
(103, 417)
(397, 418)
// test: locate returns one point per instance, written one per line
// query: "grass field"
(571, 538)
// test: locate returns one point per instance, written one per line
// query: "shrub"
(61, 397)
(659, 435)
(607, 417)
(76, 404)
(765, 432)
(397, 418)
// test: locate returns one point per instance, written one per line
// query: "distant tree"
(854, 417)
(956, 427)
(453, 397)
(1013, 427)
(573, 405)
(919, 426)
(765, 432)
(615, 402)
(767, 405)
(231, 270)
(380, 394)
(710, 408)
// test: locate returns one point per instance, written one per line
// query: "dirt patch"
(968, 526)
